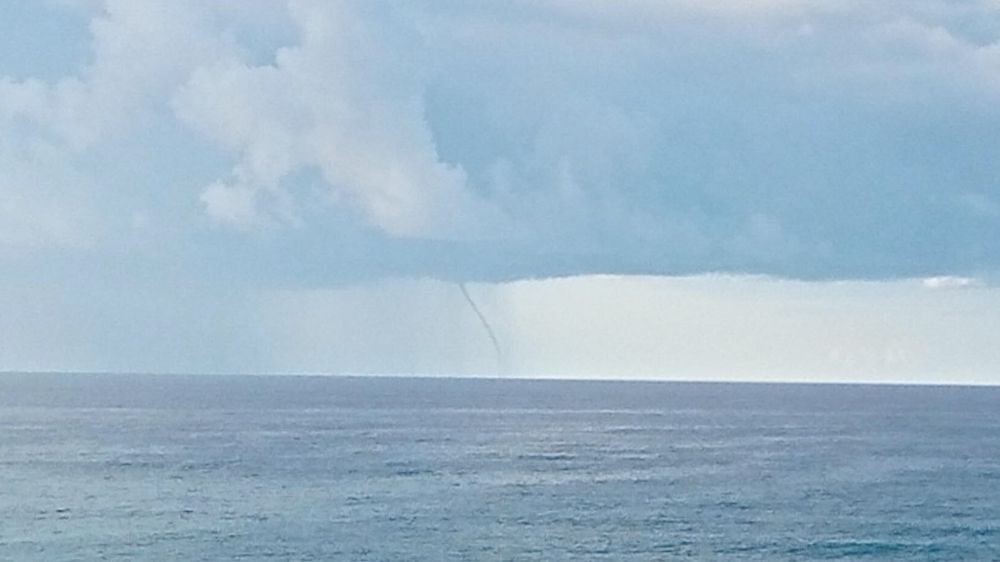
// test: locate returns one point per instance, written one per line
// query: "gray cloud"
(349, 140)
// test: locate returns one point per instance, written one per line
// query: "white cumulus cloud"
(340, 103)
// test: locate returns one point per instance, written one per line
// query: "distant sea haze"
(148, 467)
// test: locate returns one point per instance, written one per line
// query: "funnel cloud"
(486, 325)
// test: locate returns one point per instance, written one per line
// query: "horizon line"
(532, 377)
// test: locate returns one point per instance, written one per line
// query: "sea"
(255, 468)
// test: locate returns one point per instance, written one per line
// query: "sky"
(676, 189)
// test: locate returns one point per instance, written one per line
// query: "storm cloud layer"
(308, 142)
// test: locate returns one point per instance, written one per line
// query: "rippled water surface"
(297, 468)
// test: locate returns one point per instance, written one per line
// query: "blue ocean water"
(312, 468)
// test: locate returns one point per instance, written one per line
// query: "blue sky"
(177, 180)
